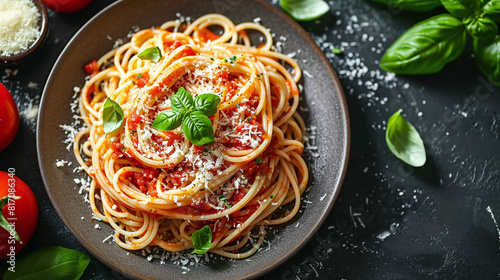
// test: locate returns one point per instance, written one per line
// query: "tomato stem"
(3, 222)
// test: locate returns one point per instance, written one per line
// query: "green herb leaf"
(112, 115)
(462, 8)
(153, 54)
(305, 10)
(232, 59)
(202, 240)
(336, 50)
(198, 128)
(181, 100)
(207, 103)
(411, 5)
(426, 47)
(487, 55)
(3, 222)
(404, 141)
(192, 113)
(55, 263)
(492, 10)
(168, 120)
(481, 28)
(258, 160)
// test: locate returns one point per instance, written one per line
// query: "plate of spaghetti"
(193, 140)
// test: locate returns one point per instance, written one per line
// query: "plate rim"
(346, 144)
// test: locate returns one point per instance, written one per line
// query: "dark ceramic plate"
(322, 96)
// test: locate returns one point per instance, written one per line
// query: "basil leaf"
(426, 47)
(492, 10)
(181, 100)
(202, 240)
(461, 8)
(55, 263)
(411, 5)
(168, 120)
(153, 54)
(487, 55)
(481, 28)
(112, 115)
(305, 10)
(198, 128)
(207, 103)
(404, 141)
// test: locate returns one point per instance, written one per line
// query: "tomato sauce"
(207, 35)
(142, 80)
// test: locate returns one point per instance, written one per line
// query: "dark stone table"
(391, 221)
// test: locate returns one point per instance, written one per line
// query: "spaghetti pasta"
(156, 187)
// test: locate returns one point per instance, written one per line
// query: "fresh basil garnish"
(487, 55)
(192, 113)
(404, 141)
(198, 128)
(426, 47)
(207, 103)
(168, 120)
(411, 5)
(55, 263)
(305, 10)
(112, 115)
(202, 240)
(153, 54)
(181, 100)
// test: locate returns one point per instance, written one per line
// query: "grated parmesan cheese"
(18, 26)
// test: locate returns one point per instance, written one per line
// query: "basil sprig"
(202, 240)
(55, 263)
(192, 113)
(411, 5)
(305, 10)
(429, 45)
(404, 141)
(112, 115)
(153, 54)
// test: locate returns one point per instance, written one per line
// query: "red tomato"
(142, 80)
(92, 67)
(22, 213)
(66, 6)
(9, 118)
